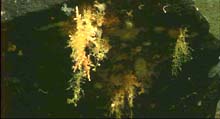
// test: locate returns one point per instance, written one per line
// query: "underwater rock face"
(14, 8)
(210, 9)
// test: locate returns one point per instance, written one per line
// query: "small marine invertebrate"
(67, 10)
(182, 52)
(164, 8)
(86, 41)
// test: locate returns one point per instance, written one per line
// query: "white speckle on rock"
(2, 13)
(199, 103)
(189, 78)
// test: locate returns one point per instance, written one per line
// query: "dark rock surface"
(15, 8)
(35, 83)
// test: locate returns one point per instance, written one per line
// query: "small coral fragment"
(127, 87)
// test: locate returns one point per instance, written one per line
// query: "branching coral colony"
(182, 52)
(88, 35)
